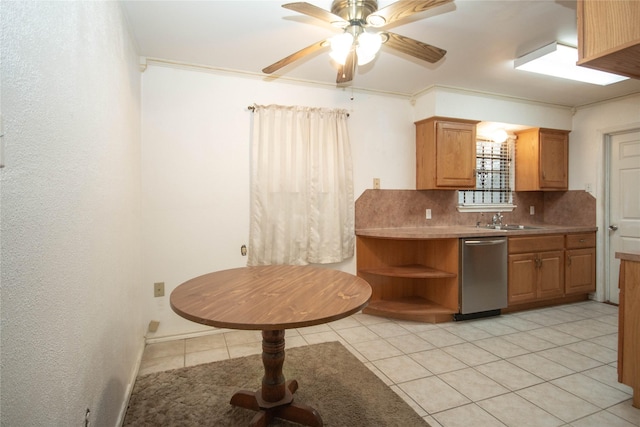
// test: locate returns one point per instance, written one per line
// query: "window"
(494, 178)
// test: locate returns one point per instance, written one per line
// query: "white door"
(624, 205)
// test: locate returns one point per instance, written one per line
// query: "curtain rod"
(253, 108)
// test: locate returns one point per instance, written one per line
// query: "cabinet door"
(522, 278)
(580, 274)
(553, 160)
(550, 274)
(609, 36)
(455, 155)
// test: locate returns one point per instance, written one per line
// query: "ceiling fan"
(363, 33)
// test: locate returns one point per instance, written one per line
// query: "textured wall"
(71, 324)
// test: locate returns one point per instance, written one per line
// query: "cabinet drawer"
(536, 243)
(577, 241)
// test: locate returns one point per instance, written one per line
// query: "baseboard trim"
(130, 384)
(214, 331)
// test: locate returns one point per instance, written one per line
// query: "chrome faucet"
(497, 219)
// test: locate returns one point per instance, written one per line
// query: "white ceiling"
(482, 38)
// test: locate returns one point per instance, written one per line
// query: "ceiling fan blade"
(345, 72)
(400, 10)
(295, 56)
(316, 12)
(412, 47)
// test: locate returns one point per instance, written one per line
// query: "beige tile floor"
(546, 367)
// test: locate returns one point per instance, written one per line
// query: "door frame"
(607, 134)
(607, 216)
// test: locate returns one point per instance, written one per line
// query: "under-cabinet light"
(499, 135)
(560, 61)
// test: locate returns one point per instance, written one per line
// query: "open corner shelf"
(414, 271)
(411, 279)
(410, 308)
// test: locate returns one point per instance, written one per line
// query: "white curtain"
(302, 208)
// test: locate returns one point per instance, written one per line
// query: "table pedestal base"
(291, 411)
(275, 398)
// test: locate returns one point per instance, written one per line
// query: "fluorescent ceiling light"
(560, 61)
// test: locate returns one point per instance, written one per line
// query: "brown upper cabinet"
(445, 154)
(542, 160)
(609, 36)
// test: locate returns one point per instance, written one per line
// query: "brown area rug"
(330, 378)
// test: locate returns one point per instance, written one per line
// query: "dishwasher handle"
(484, 242)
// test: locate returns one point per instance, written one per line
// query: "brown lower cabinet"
(536, 268)
(580, 272)
(551, 267)
(629, 323)
(417, 279)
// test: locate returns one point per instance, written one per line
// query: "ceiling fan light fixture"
(367, 47)
(341, 45)
(559, 60)
(355, 46)
(376, 20)
(363, 60)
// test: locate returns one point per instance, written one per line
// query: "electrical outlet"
(532, 210)
(428, 214)
(158, 289)
(376, 183)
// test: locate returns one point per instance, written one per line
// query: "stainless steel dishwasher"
(482, 276)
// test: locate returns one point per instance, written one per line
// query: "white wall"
(72, 319)
(195, 167)
(587, 159)
(456, 103)
(590, 124)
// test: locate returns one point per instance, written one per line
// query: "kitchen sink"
(510, 227)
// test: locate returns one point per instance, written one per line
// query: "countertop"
(460, 231)
(627, 256)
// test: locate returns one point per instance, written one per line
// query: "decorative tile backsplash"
(406, 208)
(570, 208)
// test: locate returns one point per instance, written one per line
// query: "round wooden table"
(271, 298)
